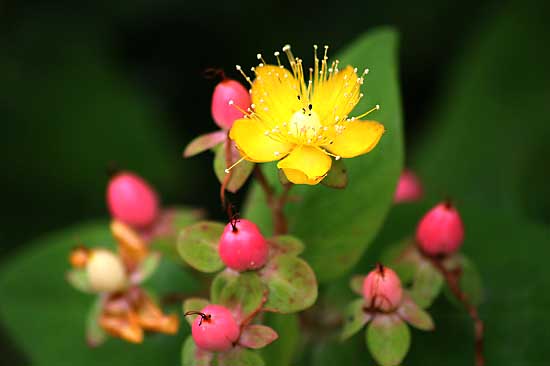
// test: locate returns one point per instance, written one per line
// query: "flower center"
(305, 125)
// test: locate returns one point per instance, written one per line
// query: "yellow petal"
(305, 165)
(249, 136)
(337, 96)
(358, 137)
(275, 94)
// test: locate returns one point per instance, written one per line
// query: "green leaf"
(78, 278)
(240, 357)
(340, 224)
(388, 339)
(164, 237)
(512, 278)
(355, 319)
(427, 284)
(291, 282)
(147, 268)
(239, 173)
(55, 334)
(414, 315)
(95, 335)
(257, 336)
(204, 142)
(241, 292)
(337, 176)
(356, 284)
(285, 244)
(191, 355)
(282, 352)
(193, 304)
(198, 246)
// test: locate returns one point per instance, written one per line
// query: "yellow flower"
(304, 124)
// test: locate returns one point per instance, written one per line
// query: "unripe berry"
(228, 95)
(106, 272)
(215, 329)
(440, 231)
(132, 200)
(409, 188)
(382, 289)
(242, 246)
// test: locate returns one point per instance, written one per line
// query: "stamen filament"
(375, 108)
(234, 165)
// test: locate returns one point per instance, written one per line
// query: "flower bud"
(106, 271)
(409, 188)
(242, 246)
(132, 200)
(79, 257)
(215, 329)
(229, 98)
(382, 289)
(440, 231)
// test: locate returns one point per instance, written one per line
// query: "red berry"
(215, 329)
(409, 188)
(228, 95)
(440, 231)
(382, 289)
(242, 246)
(132, 200)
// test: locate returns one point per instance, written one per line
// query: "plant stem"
(453, 281)
(228, 162)
(256, 311)
(276, 204)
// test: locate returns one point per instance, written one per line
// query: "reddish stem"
(256, 311)
(453, 281)
(276, 204)
(228, 163)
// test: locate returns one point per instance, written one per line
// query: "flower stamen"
(234, 165)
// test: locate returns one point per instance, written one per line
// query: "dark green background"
(83, 85)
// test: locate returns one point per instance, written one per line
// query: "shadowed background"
(83, 85)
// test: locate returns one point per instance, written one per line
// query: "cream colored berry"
(106, 271)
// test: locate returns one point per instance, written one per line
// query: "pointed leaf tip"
(355, 319)
(414, 315)
(204, 142)
(257, 336)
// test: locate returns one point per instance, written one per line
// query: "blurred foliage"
(74, 76)
(47, 318)
(503, 249)
(85, 84)
(488, 140)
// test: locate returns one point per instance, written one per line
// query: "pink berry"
(228, 95)
(440, 231)
(242, 246)
(215, 329)
(132, 200)
(382, 289)
(409, 188)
